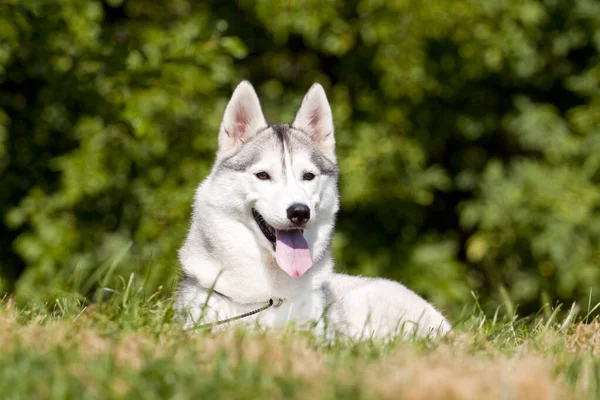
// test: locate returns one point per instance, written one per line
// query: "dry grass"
(469, 364)
(585, 338)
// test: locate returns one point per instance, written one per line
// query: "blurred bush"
(468, 134)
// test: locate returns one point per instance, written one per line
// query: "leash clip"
(277, 302)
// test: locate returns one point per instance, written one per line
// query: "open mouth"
(291, 249)
(265, 228)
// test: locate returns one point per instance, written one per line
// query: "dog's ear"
(315, 119)
(243, 118)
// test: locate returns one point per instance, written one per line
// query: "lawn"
(131, 346)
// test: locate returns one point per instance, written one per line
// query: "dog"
(258, 250)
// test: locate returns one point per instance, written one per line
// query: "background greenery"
(468, 135)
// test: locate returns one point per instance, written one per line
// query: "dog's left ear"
(315, 119)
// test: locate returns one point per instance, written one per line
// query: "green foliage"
(467, 133)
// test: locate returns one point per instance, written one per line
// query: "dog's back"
(362, 307)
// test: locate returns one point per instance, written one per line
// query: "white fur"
(366, 307)
(306, 307)
(225, 249)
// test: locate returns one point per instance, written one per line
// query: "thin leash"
(269, 304)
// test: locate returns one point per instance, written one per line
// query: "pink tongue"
(292, 252)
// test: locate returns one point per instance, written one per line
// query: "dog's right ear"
(243, 118)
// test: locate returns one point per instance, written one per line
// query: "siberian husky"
(259, 246)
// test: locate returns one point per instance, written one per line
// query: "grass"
(131, 346)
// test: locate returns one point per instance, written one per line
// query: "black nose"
(298, 213)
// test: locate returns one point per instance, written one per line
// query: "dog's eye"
(263, 176)
(308, 176)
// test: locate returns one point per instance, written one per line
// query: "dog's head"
(285, 176)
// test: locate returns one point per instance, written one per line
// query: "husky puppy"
(260, 235)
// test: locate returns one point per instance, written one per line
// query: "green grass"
(131, 346)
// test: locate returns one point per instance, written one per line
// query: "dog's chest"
(305, 307)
